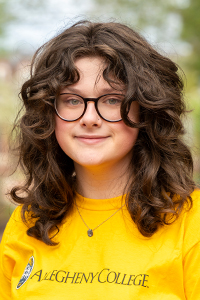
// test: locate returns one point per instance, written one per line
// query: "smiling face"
(90, 141)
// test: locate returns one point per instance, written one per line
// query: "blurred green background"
(171, 26)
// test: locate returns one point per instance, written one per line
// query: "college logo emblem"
(27, 272)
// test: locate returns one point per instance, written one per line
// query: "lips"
(91, 139)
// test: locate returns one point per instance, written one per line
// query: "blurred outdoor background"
(171, 26)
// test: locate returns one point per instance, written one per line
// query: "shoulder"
(15, 219)
(194, 212)
(15, 231)
(13, 228)
(16, 245)
(15, 222)
(196, 195)
(191, 220)
(16, 228)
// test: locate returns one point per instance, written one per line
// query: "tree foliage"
(15, 11)
(167, 19)
(191, 31)
(5, 17)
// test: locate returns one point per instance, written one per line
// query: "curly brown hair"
(161, 167)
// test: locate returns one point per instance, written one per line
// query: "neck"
(101, 182)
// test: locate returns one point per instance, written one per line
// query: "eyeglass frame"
(86, 100)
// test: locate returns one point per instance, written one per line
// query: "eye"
(74, 101)
(70, 100)
(113, 100)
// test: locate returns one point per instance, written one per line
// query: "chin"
(89, 159)
(91, 163)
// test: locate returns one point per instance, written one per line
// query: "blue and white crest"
(27, 272)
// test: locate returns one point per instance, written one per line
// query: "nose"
(91, 117)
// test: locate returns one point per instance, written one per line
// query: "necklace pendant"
(90, 232)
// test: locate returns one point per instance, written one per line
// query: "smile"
(91, 139)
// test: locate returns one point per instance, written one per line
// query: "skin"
(101, 150)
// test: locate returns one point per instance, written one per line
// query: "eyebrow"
(78, 91)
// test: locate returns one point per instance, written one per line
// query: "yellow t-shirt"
(116, 263)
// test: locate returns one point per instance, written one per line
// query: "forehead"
(92, 65)
(90, 70)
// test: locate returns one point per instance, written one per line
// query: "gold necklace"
(90, 231)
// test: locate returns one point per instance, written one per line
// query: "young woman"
(109, 209)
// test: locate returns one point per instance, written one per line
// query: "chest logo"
(27, 272)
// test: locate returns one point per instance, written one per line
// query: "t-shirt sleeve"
(191, 250)
(6, 261)
(5, 284)
(191, 265)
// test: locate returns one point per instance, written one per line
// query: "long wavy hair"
(161, 167)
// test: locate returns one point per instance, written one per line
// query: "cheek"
(58, 128)
(132, 136)
(62, 130)
(128, 136)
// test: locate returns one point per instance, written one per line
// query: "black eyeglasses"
(71, 107)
